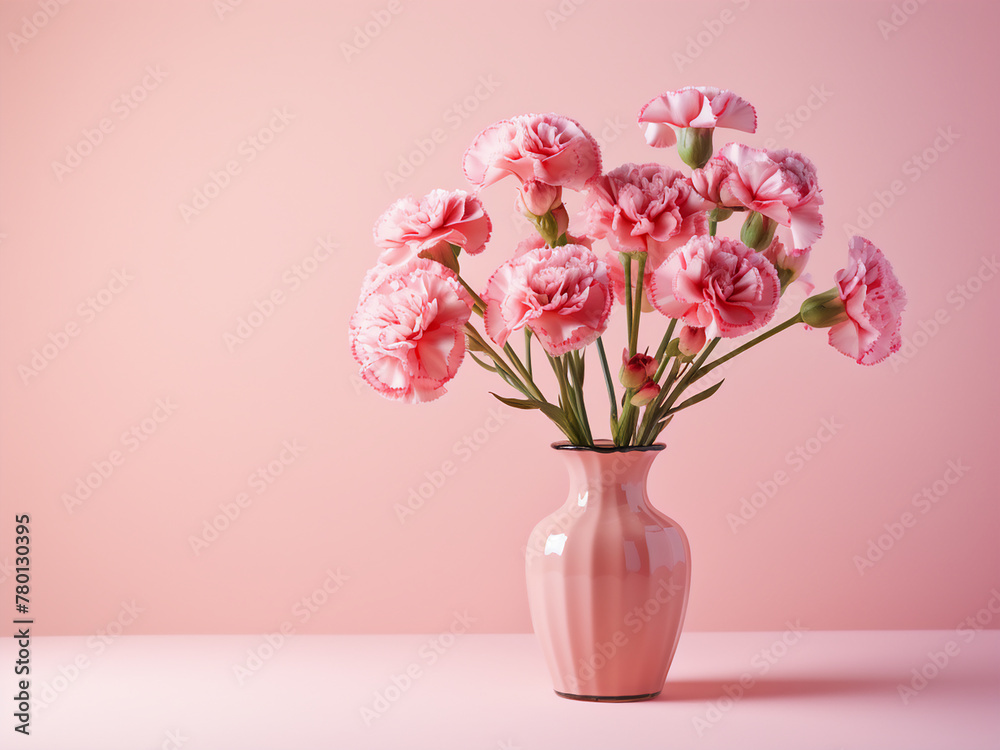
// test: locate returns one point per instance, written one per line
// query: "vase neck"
(608, 478)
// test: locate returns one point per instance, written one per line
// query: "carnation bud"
(537, 198)
(690, 341)
(823, 310)
(757, 231)
(789, 267)
(720, 213)
(694, 146)
(646, 395)
(561, 215)
(636, 370)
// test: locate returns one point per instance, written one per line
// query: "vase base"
(609, 698)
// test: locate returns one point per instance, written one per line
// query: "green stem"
(479, 306)
(662, 363)
(626, 424)
(566, 400)
(499, 361)
(661, 410)
(633, 340)
(689, 376)
(797, 318)
(576, 369)
(626, 260)
(647, 419)
(527, 349)
(612, 398)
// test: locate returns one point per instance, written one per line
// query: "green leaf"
(517, 403)
(474, 345)
(482, 364)
(549, 410)
(697, 398)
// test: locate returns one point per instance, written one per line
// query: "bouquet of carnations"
(665, 259)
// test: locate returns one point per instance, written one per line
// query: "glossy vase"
(608, 578)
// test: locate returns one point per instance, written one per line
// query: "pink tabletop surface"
(801, 689)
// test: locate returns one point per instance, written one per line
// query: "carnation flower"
(552, 149)
(695, 107)
(560, 293)
(427, 228)
(717, 284)
(872, 301)
(643, 208)
(780, 185)
(408, 330)
(646, 208)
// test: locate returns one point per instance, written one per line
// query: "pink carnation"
(410, 228)
(717, 284)
(647, 208)
(408, 330)
(695, 107)
(552, 149)
(781, 185)
(874, 301)
(560, 293)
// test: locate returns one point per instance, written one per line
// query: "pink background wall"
(150, 352)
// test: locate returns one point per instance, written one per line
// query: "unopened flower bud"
(646, 395)
(636, 370)
(538, 198)
(561, 215)
(757, 231)
(690, 341)
(789, 267)
(824, 310)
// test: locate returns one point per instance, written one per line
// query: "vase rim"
(606, 446)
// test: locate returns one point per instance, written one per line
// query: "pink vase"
(608, 579)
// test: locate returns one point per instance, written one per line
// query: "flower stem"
(647, 418)
(527, 349)
(478, 305)
(566, 400)
(472, 333)
(797, 318)
(633, 340)
(576, 368)
(689, 376)
(509, 351)
(626, 260)
(612, 398)
(662, 363)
